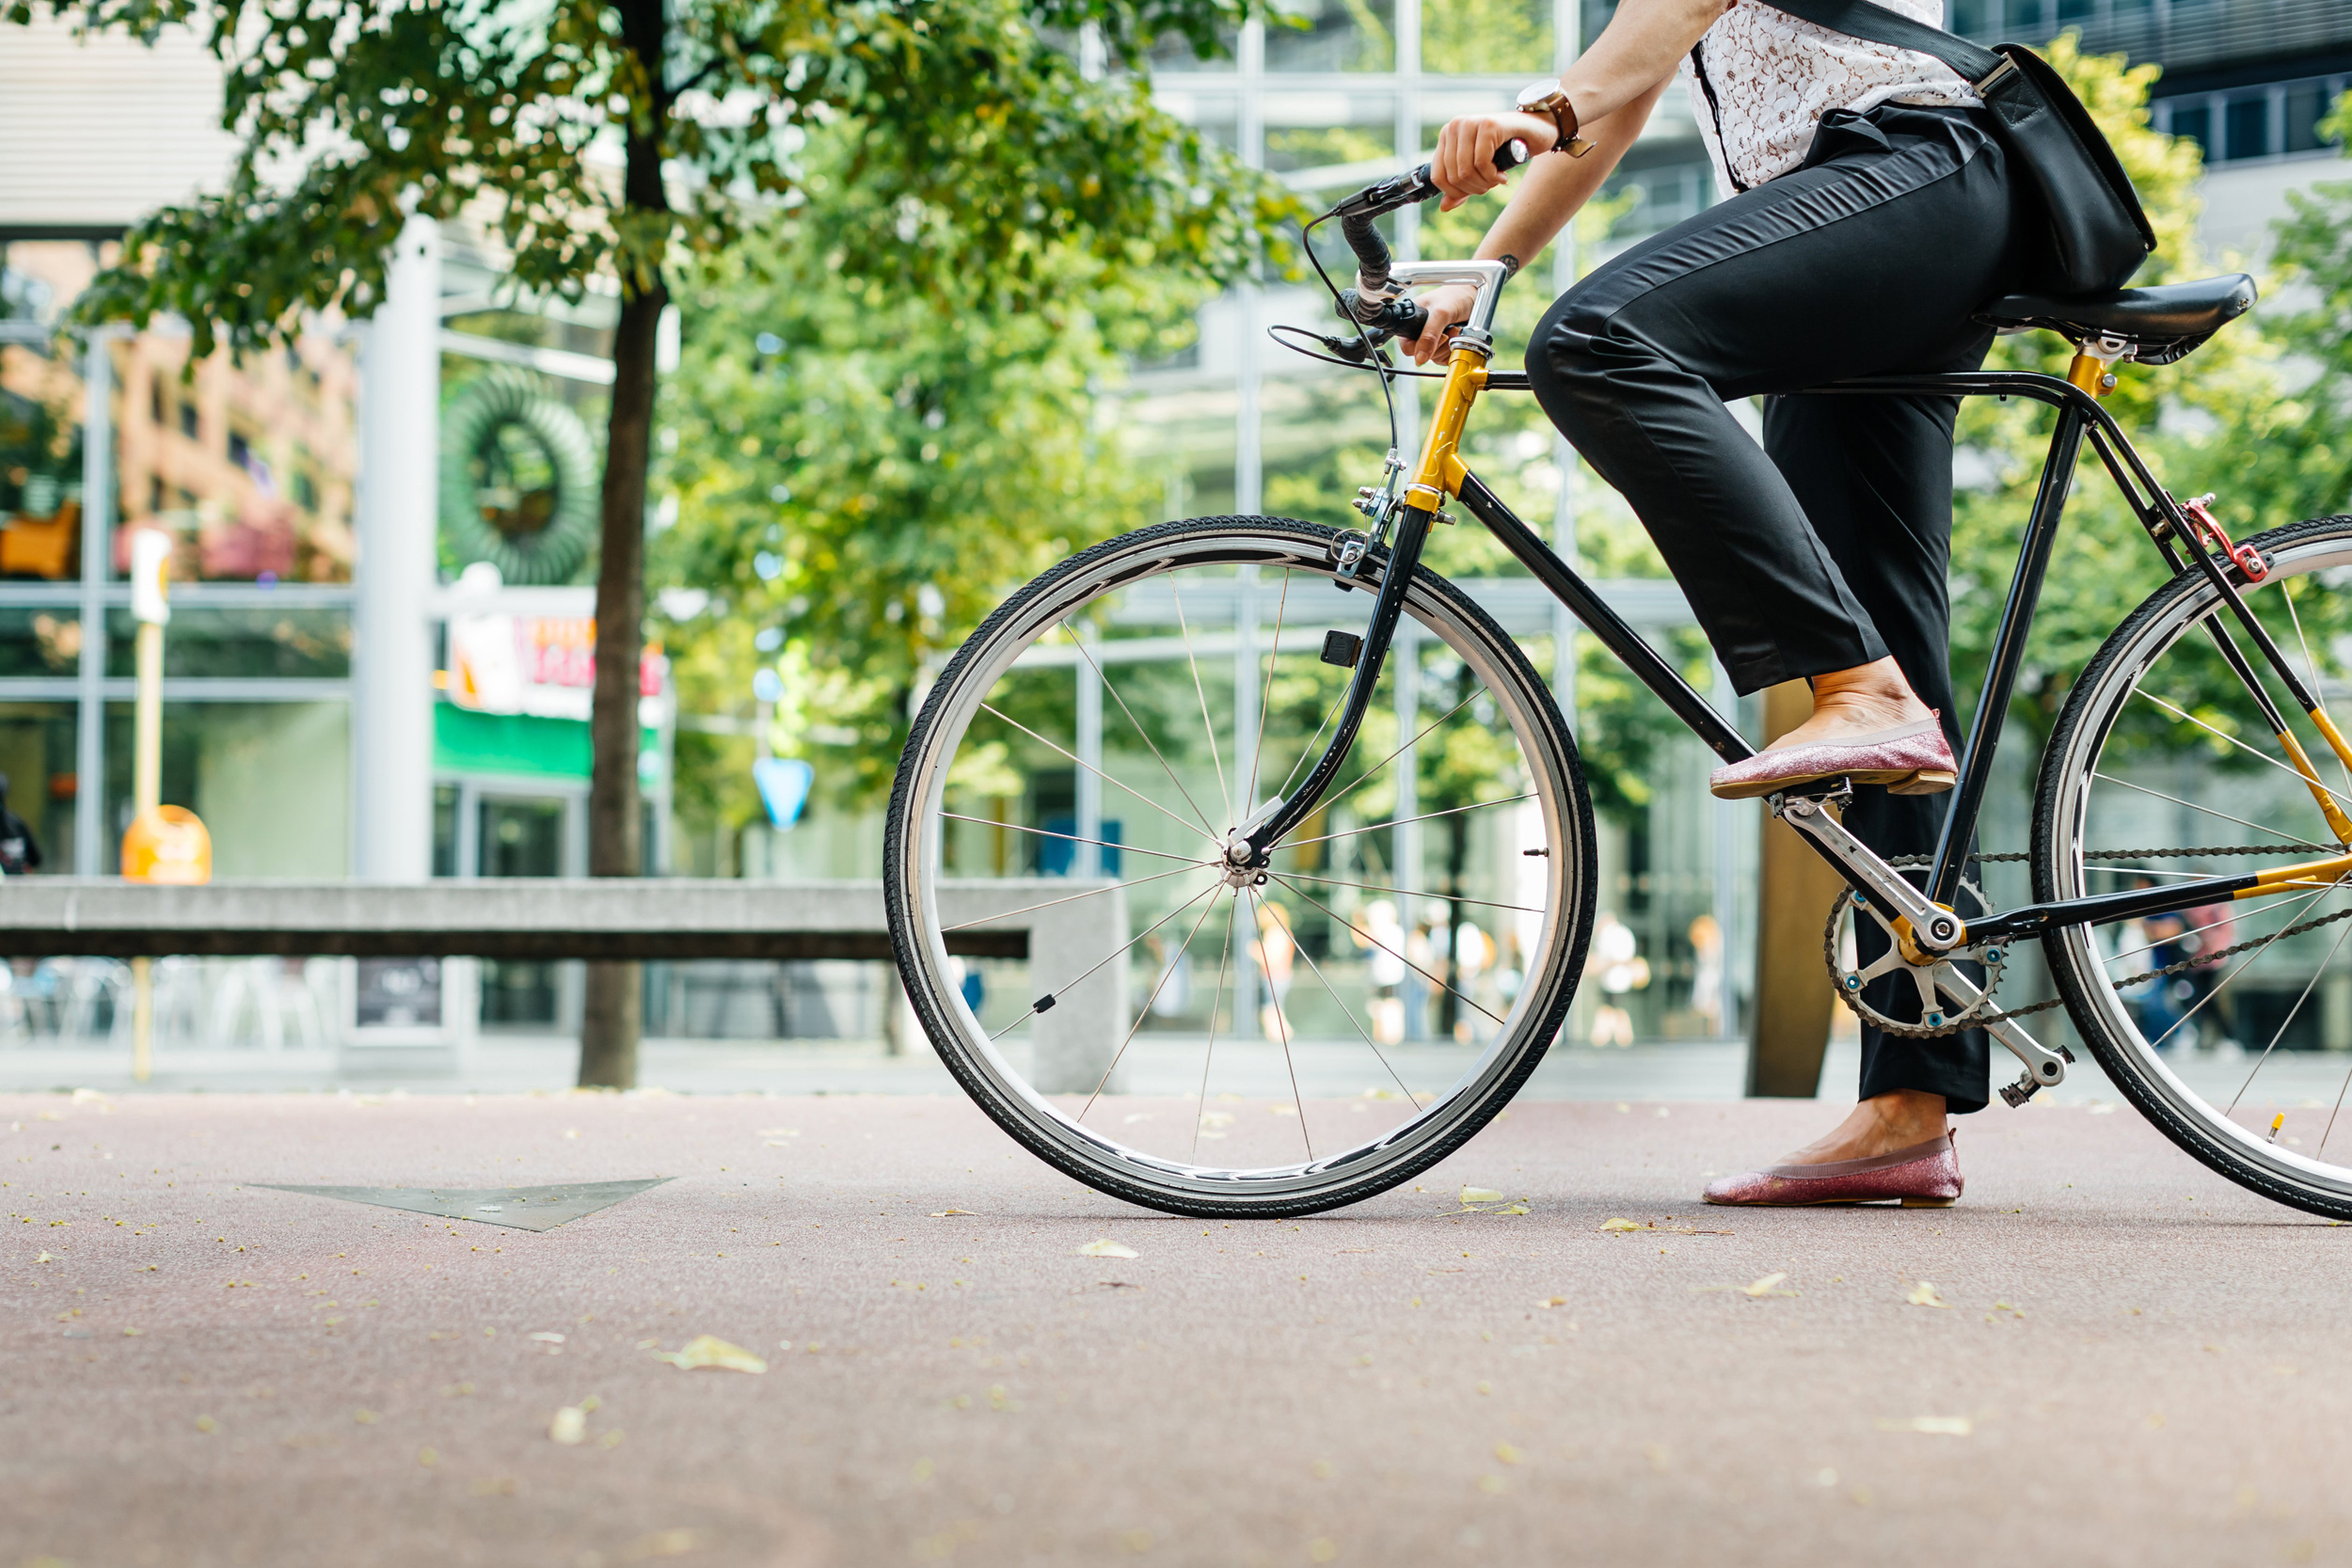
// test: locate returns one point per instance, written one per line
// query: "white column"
(90, 826)
(1249, 476)
(392, 657)
(1086, 858)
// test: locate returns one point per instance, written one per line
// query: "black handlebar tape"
(1357, 213)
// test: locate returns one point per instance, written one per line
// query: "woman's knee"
(1570, 359)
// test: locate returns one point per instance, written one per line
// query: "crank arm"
(1936, 930)
(2045, 1067)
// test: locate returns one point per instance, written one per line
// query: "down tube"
(1604, 623)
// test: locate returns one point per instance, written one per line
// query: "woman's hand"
(1464, 164)
(1448, 307)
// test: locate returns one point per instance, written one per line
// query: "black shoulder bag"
(2097, 236)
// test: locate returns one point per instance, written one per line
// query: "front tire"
(1189, 743)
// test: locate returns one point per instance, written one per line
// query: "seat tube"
(2008, 653)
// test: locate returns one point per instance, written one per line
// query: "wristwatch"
(1547, 99)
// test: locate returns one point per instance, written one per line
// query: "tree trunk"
(613, 1015)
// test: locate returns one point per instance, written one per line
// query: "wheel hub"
(1242, 865)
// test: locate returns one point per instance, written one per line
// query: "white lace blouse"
(1772, 77)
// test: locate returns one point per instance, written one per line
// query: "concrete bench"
(595, 918)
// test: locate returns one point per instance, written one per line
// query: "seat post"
(2093, 367)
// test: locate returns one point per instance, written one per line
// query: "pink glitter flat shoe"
(1910, 759)
(1925, 1175)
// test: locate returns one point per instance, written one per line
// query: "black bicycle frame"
(2080, 419)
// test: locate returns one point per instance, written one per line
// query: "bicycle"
(1523, 833)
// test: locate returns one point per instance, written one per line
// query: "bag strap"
(1877, 25)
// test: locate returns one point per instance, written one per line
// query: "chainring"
(1850, 983)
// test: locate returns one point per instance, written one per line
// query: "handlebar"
(1357, 213)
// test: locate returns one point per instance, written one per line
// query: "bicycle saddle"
(2163, 323)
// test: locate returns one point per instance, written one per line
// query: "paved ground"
(2137, 1364)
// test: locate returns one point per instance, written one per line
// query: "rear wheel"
(2228, 1026)
(1184, 1038)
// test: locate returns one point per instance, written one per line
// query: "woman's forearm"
(1554, 190)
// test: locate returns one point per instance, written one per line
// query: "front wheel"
(1183, 1037)
(2228, 1025)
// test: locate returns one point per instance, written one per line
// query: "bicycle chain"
(1921, 1031)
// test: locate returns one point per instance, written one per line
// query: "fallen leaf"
(1553, 1301)
(1480, 1194)
(1622, 1224)
(709, 1349)
(1923, 1294)
(609, 1440)
(1766, 1286)
(1283, 1110)
(1105, 1248)
(668, 1543)
(570, 1425)
(1935, 1426)
(1508, 1454)
(546, 1338)
(205, 1423)
(950, 1213)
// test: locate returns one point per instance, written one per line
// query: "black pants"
(1827, 547)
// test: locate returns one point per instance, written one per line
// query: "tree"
(980, 149)
(864, 473)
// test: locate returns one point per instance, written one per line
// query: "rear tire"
(2161, 654)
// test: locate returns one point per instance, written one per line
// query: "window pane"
(246, 643)
(250, 467)
(40, 641)
(271, 781)
(2307, 105)
(41, 415)
(2249, 127)
(2196, 124)
(1332, 34)
(1969, 16)
(1485, 35)
(37, 759)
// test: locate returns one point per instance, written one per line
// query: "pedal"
(2018, 1093)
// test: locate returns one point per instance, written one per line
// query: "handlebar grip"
(1359, 211)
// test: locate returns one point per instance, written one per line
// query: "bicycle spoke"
(2310, 668)
(2308, 900)
(1208, 726)
(1342, 793)
(1090, 893)
(1141, 733)
(1073, 838)
(2290, 772)
(1312, 747)
(1368, 887)
(1425, 816)
(1217, 1000)
(1266, 698)
(1125, 949)
(991, 707)
(1282, 1023)
(2291, 841)
(1349, 1014)
(2190, 932)
(1143, 1012)
(1466, 1000)
(2279, 1032)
